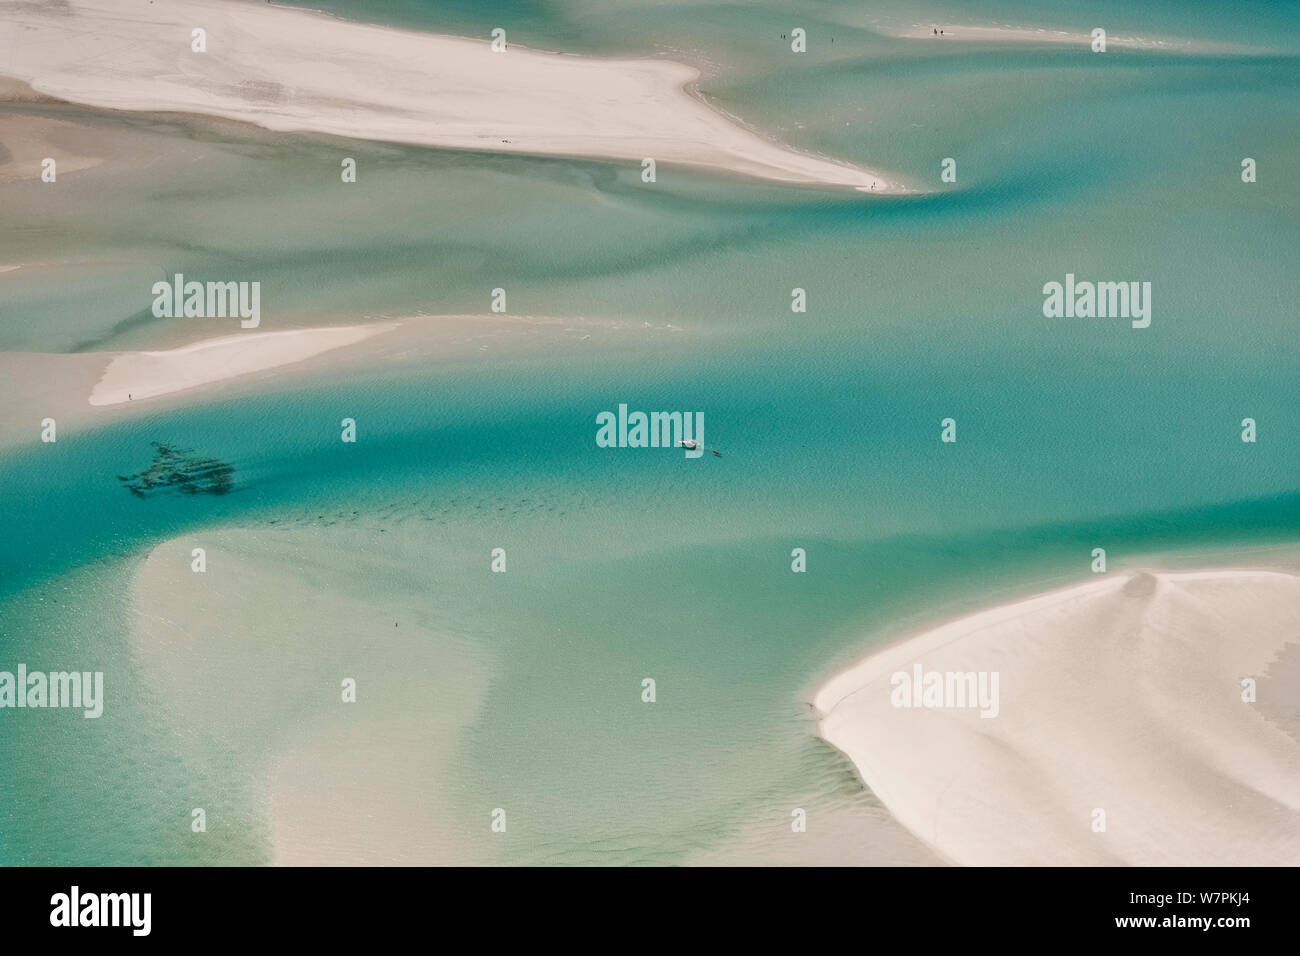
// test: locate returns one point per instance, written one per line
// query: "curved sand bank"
(28, 140)
(1122, 695)
(295, 70)
(133, 376)
(88, 388)
(246, 662)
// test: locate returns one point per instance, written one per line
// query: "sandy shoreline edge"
(132, 376)
(295, 70)
(1119, 706)
(92, 388)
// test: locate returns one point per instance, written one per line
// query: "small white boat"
(689, 443)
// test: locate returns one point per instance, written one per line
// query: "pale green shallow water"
(1072, 433)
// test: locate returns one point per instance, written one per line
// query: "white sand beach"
(136, 376)
(294, 70)
(1122, 695)
(87, 388)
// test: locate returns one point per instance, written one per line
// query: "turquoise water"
(1072, 434)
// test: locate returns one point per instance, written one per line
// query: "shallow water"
(624, 563)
